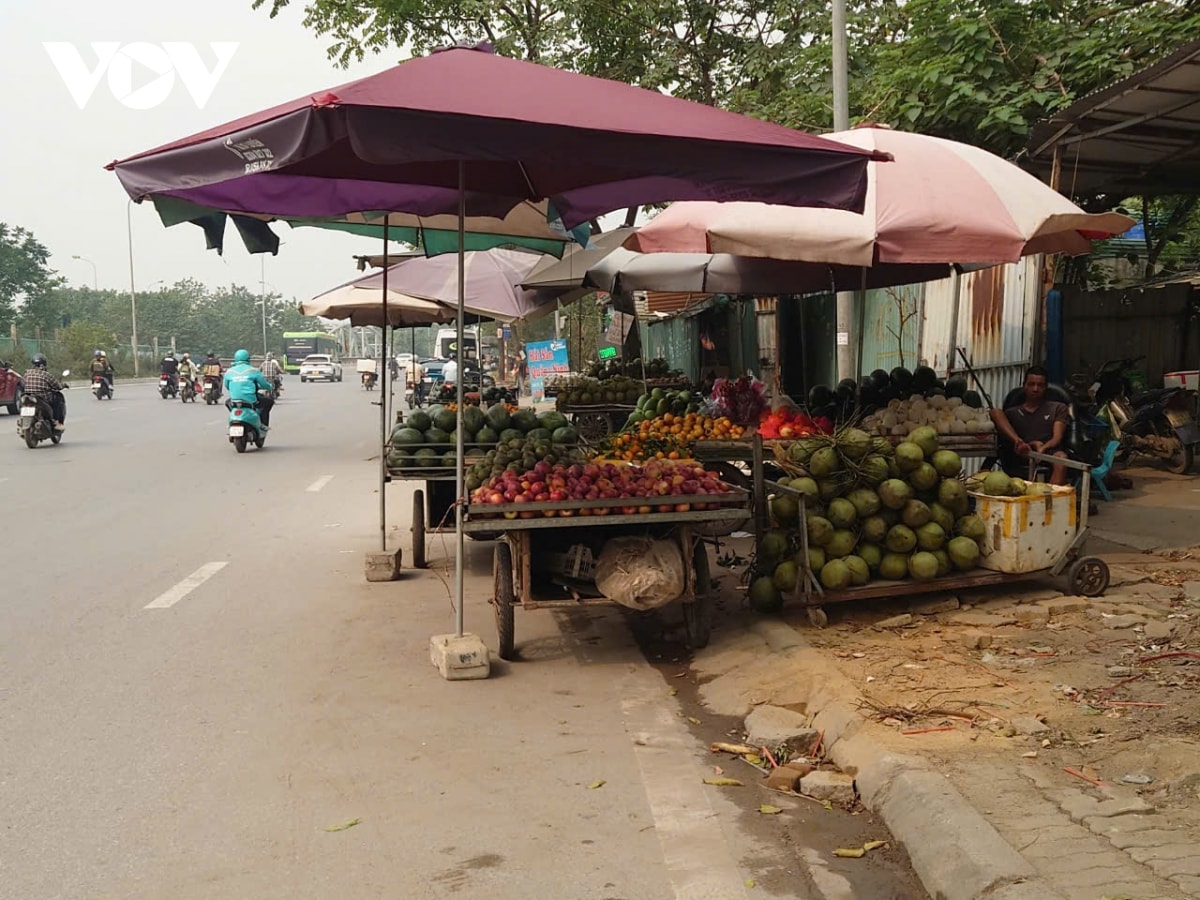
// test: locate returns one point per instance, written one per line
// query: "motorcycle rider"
(40, 383)
(243, 382)
(102, 367)
(188, 369)
(211, 368)
(273, 372)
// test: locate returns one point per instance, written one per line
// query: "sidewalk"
(960, 718)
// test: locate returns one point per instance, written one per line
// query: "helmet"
(97, 354)
(210, 353)
(242, 356)
(38, 361)
(270, 356)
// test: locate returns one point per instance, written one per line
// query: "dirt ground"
(1090, 679)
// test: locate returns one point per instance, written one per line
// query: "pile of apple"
(658, 486)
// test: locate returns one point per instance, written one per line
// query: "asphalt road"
(197, 684)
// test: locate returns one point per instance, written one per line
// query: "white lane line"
(698, 859)
(319, 483)
(174, 595)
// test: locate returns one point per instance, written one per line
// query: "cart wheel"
(418, 530)
(698, 615)
(817, 617)
(1088, 576)
(593, 426)
(502, 599)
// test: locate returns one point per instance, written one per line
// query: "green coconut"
(1016, 487)
(931, 536)
(785, 509)
(923, 566)
(835, 575)
(882, 447)
(873, 470)
(875, 529)
(801, 451)
(947, 462)
(924, 477)
(854, 443)
(970, 527)
(915, 514)
(824, 463)
(997, 484)
(764, 596)
(894, 493)
(866, 502)
(842, 513)
(829, 488)
(841, 544)
(941, 515)
(952, 494)
(774, 545)
(860, 572)
(944, 564)
(901, 539)
(964, 553)
(784, 577)
(820, 530)
(909, 455)
(1038, 489)
(926, 438)
(891, 516)
(816, 558)
(893, 566)
(806, 486)
(871, 554)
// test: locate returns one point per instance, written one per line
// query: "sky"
(52, 154)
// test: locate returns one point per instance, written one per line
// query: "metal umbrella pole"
(459, 474)
(383, 407)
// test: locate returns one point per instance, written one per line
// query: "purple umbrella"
(469, 132)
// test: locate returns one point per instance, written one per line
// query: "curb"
(954, 850)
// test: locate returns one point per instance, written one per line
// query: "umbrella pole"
(458, 462)
(383, 405)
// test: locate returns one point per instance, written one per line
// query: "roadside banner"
(545, 358)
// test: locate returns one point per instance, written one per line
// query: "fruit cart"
(1028, 537)
(564, 534)
(433, 503)
(595, 422)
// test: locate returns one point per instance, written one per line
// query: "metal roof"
(1138, 136)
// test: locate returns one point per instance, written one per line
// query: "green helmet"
(242, 356)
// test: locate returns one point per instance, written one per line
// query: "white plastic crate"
(1189, 380)
(1024, 534)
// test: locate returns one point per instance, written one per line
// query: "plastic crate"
(576, 563)
(1025, 534)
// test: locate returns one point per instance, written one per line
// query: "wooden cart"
(516, 574)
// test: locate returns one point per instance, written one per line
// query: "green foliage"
(24, 273)
(77, 343)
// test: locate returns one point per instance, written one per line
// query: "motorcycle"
(187, 390)
(212, 389)
(1157, 423)
(368, 380)
(36, 421)
(245, 426)
(101, 389)
(166, 386)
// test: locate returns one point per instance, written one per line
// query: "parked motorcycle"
(187, 390)
(212, 389)
(101, 389)
(245, 426)
(36, 421)
(167, 387)
(1157, 423)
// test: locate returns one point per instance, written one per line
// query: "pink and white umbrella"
(938, 201)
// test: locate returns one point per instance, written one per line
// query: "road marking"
(319, 483)
(698, 859)
(185, 587)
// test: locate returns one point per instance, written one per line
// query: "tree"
(80, 340)
(24, 273)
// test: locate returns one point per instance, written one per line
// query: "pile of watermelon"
(427, 439)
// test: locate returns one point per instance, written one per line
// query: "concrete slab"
(460, 657)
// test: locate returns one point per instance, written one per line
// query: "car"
(320, 367)
(10, 388)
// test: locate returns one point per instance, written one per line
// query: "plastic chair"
(1101, 471)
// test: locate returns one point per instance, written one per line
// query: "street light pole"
(95, 279)
(262, 290)
(841, 122)
(132, 292)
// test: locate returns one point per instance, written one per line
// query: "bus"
(299, 344)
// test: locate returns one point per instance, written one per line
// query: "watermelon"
(473, 419)
(437, 435)
(486, 435)
(552, 421)
(509, 434)
(407, 436)
(565, 435)
(426, 457)
(450, 460)
(497, 418)
(540, 434)
(524, 420)
(419, 420)
(445, 420)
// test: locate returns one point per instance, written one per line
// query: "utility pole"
(841, 122)
(132, 293)
(262, 293)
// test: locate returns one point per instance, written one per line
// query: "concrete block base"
(458, 658)
(383, 566)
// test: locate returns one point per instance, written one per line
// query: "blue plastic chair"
(1101, 471)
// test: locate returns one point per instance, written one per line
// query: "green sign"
(607, 352)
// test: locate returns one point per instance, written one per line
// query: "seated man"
(1037, 424)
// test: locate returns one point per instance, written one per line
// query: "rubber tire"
(698, 615)
(259, 441)
(1185, 459)
(55, 437)
(503, 601)
(30, 441)
(1088, 576)
(239, 444)
(592, 426)
(418, 531)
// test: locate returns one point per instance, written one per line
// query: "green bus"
(299, 344)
